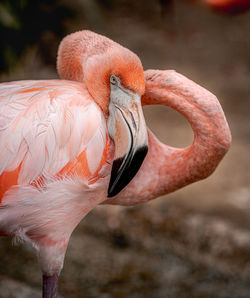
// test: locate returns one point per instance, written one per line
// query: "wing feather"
(46, 124)
(94, 151)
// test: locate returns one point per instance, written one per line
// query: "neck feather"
(80, 56)
(88, 57)
(165, 168)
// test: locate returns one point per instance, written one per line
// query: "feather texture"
(44, 125)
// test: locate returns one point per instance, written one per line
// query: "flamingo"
(68, 145)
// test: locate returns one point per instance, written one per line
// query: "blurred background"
(194, 242)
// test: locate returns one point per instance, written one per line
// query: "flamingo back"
(49, 129)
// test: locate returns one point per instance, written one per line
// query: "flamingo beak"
(128, 129)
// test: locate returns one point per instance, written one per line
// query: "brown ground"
(194, 242)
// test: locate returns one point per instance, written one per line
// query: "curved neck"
(165, 168)
(80, 56)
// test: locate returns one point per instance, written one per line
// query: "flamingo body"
(52, 133)
(49, 128)
(69, 145)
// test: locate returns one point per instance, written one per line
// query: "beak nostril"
(133, 121)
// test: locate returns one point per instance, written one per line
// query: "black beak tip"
(122, 175)
(111, 194)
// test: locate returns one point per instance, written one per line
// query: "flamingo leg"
(50, 284)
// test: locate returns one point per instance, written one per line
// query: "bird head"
(115, 79)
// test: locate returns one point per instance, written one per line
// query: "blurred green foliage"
(24, 23)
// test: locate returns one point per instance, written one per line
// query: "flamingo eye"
(113, 80)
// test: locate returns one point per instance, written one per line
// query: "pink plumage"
(67, 146)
